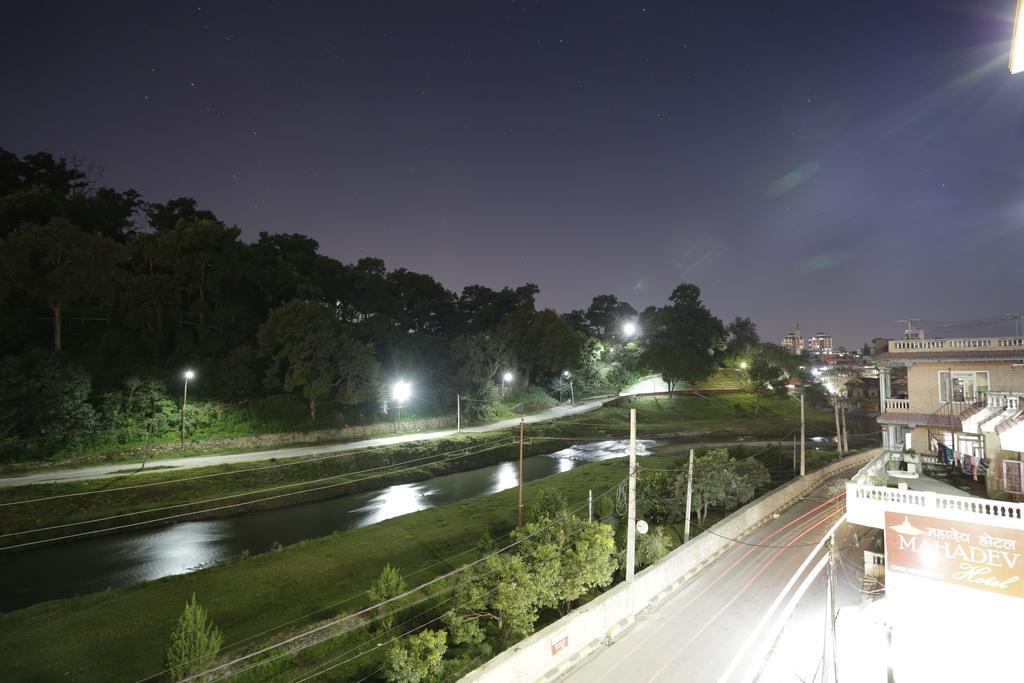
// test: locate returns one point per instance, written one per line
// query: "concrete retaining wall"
(548, 653)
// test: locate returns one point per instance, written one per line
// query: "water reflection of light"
(394, 501)
(506, 476)
(178, 549)
(597, 450)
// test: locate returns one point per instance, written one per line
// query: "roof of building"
(922, 420)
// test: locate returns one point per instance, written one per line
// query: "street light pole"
(184, 401)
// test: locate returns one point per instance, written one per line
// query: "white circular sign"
(641, 527)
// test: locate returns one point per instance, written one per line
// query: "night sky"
(840, 164)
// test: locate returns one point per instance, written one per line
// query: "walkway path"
(121, 469)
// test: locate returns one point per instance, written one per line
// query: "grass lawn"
(722, 416)
(739, 414)
(122, 634)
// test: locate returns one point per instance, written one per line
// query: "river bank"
(84, 638)
(141, 499)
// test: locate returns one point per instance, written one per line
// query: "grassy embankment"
(716, 417)
(122, 634)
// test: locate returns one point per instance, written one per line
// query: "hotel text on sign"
(971, 555)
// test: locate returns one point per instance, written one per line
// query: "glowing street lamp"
(743, 365)
(400, 392)
(505, 379)
(572, 396)
(1017, 45)
(184, 400)
(629, 329)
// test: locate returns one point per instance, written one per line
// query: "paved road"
(695, 634)
(121, 469)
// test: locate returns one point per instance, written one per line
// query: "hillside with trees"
(107, 298)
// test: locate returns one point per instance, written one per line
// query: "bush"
(195, 641)
(418, 658)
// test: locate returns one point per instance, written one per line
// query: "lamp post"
(572, 396)
(184, 400)
(505, 379)
(401, 391)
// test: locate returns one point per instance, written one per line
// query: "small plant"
(195, 641)
(388, 585)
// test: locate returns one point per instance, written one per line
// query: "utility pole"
(846, 432)
(689, 498)
(520, 522)
(458, 413)
(794, 454)
(839, 431)
(631, 507)
(572, 394)
(803, 437)
(590, 505)
(830, 664)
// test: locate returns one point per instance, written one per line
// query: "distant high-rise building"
(820, 343)
(793, 341)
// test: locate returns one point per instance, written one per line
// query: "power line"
(215, 509)
(358, 595)
(396, 598)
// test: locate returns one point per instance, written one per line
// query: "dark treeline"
(107, 299)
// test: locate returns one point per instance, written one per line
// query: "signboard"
(971, 555)
(559, 642)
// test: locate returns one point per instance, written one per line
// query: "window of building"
(963, 387)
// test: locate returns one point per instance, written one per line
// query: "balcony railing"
(1010, 400)
(866, 505)
(967, 344)
(897, 405)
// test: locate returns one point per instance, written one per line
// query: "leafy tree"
(741, 336)
(388, 585)
(479, 358)
(543, 343)
(550, 504)
(483, 309)
(652, 546)
(166, 216)
(419, 657)
(768, 372)
(195, 641)
(721, 481)
(311, 356)
(684, 338)
(606, 313)
(568, 558)
(496, 601)
(43, 397)
(61, 266)
(143, 399)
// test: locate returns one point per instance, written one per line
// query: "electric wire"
(299, 460)
(447, 457)
(396, 598)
